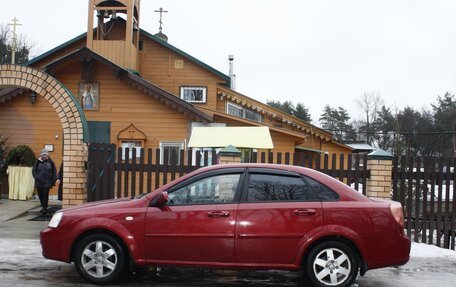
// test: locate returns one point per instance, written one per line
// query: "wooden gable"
(171, 71)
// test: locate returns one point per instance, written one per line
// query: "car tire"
(331, 264)
(99, 259)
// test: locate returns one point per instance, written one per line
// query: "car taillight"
(397, 212)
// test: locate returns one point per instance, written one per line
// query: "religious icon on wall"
(89, 96)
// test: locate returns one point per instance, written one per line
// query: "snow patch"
(426, 250)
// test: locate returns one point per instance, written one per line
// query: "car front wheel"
(332, 263)
(99, 259)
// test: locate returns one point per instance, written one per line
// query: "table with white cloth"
(21, 182)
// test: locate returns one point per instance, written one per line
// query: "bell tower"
(113, 31)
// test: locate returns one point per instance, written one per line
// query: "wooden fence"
(113, 173)
(425, 187)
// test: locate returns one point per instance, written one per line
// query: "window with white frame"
(131, 145)
(240, 112)
(171, 150)
(193, 94)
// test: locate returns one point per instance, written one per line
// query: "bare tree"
(23, 46)
(370, 103)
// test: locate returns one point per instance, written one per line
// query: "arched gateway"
(73, 121)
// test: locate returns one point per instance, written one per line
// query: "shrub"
(3, 152)
(21, 155)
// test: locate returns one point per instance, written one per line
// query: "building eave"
(59, 47)
(300, 136)
(276, 114)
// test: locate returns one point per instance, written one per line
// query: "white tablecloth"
(21, 182)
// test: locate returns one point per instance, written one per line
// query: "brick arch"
(73, 121)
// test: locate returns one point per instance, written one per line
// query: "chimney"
(232, 75)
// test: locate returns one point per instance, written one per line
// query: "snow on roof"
(361, 146)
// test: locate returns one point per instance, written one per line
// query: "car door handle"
(304, 212)
(218, 214)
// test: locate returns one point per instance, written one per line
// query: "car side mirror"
(160, 200)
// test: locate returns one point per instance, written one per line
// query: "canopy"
(240, 137)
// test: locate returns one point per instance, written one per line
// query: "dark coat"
(44, 173)
(60, 177)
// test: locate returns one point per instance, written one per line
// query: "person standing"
(45, 175)
(60, 183)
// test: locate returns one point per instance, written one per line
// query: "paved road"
(21, 264)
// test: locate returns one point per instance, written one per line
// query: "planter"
(21, 182)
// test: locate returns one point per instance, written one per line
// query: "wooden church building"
(137, 90)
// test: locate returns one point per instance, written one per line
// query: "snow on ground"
(426, 250)
(23, 250)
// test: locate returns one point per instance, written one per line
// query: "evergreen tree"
(384, 129)
(337, 122)
(444, 122)
(300, 111)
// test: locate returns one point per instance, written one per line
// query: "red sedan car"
(254, 216)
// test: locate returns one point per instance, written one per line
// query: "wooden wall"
(122, 105)
(158, 66)
(33, 125)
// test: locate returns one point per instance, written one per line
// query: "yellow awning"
(240, 137)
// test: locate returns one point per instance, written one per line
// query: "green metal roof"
(230, 151)
(380, 154)
(150, 36)
(44, 55)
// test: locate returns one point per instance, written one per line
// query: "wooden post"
(380, 164)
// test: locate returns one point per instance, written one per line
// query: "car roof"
(346, 192)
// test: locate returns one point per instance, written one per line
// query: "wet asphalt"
(21, 264)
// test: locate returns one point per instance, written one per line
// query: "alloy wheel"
(99, 259)
(332, 267)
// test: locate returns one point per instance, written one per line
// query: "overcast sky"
(315, 52)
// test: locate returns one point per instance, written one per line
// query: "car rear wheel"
(332, 263)
(99, 259)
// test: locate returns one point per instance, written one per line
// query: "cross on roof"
(161, 11)
(14, 44)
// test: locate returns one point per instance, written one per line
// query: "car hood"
(97, 204)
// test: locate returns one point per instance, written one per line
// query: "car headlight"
(55, 220)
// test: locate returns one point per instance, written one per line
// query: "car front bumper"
(53, 244)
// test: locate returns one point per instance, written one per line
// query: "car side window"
(209, 190)
(269, 187)
(323, 192)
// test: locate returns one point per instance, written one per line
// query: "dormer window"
(193, 94)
